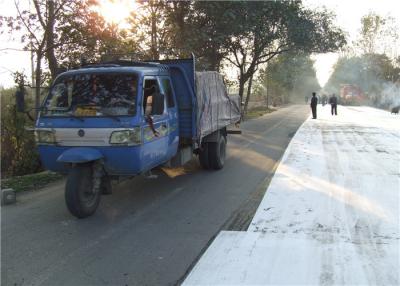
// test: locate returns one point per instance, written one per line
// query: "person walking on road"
(314, 102)
(333, 102)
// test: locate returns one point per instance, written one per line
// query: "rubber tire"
(203, 156)
(216, 153)
(79, 182)
(105, 186)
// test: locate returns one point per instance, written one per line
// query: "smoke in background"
(376, 74)
(390, 95)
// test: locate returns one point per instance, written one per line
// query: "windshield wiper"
(77, 117)
(71, 113)
(114, 117)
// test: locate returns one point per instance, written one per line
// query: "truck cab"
(126, 117)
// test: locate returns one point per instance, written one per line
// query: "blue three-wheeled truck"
(124, 118)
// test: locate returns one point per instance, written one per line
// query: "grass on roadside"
(30, 182)
(258, 111)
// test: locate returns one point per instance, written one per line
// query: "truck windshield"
(92, 94)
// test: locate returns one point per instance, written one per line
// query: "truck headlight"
(126, 137)
(45, 137)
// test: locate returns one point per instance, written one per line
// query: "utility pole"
(268, 86)
(32, 69)
(32, 62)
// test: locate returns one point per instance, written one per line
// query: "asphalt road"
(150, 231)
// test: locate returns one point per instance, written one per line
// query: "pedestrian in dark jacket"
(314, 102)
(333, 102)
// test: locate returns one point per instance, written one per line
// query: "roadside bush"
(18, 152)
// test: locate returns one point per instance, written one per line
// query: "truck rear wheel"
(203, 156)
(80, 197)
(216, 153)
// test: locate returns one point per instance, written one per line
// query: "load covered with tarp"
(216, 109)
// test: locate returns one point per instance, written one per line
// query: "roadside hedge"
(18, 152)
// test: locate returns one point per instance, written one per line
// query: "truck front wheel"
(216, 153)
(80, 197)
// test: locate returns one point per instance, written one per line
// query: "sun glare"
(116, 11)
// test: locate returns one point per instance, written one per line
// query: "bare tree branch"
(38, 12)
(25, 24)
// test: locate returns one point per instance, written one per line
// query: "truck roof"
(150, 69)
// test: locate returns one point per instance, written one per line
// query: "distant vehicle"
(124, 118)
(351, 94)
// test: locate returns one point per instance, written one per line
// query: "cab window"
(166, 84)
(153, 102)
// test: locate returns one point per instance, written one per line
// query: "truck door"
(155, 129)
(172, 111)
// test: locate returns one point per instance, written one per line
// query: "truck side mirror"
(20, 100)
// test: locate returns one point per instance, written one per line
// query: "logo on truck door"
(81, 133)
(149, 135)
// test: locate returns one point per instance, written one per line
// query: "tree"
(17, 155)
(163, 29)
(254, 32)
(245, 34)
(209, 27)
(60, 32)
(34, 38)
(177, 18)
(378, 34)
(178, 28)
(149, 28)
(288, 77)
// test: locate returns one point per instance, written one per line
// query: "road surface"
(150, 231)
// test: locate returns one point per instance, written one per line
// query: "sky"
(349, 13)
(348, 17)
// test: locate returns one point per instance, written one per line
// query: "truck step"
(236, 131)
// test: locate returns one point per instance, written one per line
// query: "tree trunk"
(154, 47)
(241, 88)
(180, 9)
(248, 94)
(38, 79)
(214, 59)
(51, 58)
